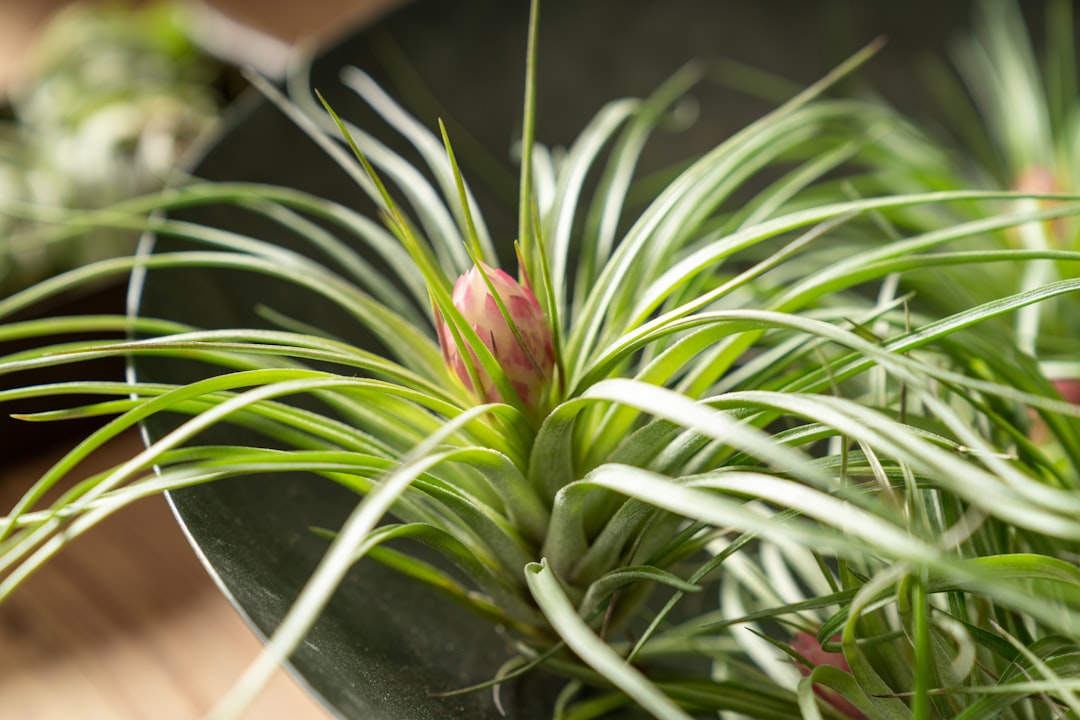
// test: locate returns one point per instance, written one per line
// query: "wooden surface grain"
(125, 623)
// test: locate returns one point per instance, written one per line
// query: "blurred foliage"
(118, 94)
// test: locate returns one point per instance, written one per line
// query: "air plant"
(703, 455)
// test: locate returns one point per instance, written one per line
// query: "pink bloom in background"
(528, 364)
(1069, 389)
(808, 646)
(1036, 179)
(1040, 181)
(1070, 392)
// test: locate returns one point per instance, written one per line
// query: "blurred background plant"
(1004, 113)
(117, 94)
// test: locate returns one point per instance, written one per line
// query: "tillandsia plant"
(696, 456)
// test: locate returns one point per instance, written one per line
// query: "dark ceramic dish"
(385, 645)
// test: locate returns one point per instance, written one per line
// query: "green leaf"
(591, 649)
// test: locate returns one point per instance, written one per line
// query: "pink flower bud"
(527, 364)
(808, 646)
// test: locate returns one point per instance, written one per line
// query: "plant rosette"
(691, 437)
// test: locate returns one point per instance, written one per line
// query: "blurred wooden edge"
(310, 22)
(21, 22)
(125, 623)
(260, 33)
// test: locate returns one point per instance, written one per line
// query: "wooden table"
(126, 624)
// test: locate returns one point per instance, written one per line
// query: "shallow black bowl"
(385, 645)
